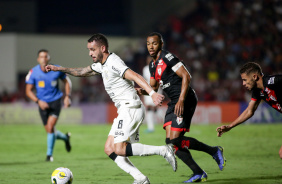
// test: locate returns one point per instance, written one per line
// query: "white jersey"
(119, 89)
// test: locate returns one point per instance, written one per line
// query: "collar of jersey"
(158, 57)
(107, 58)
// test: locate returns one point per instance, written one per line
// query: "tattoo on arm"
(79, 72)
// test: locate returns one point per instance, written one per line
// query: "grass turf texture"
(251, 152)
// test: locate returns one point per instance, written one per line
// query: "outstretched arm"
(153, 83)
(131, 75)
(78, 72)
(248, 113)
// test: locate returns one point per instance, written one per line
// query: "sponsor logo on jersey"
(116, 70)
(54, 83)
(117, 133)
(163, 86)
(169, 56)
(41, 84)
(271, 80)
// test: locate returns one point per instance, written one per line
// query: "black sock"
(186, 157)
(199, 146)
(128, 150)
(113, 156)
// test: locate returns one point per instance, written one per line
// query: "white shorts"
(126, 126)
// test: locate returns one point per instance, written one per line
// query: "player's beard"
(99, 57)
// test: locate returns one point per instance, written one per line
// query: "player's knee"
(108, 149)
(120, 148)
(176, 141)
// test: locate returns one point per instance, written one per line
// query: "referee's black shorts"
(53, 110)
(181, 124)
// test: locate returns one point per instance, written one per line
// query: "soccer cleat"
(219, 158)
(49, 158)
(197, 178)
(67, 142)
(170, 157)
(144, 181)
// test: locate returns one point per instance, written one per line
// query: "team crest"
(179, 120)
(271, 80)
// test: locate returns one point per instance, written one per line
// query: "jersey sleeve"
(278, 80)
(152, 70)
(256, 95)
(172, 61)
(62, 75)
(96, 68)
(29, 79)
(118, 66)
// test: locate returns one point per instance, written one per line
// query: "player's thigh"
(127, 124)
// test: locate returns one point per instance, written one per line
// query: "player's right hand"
(222, 129)
(43, 105)
(49, 68)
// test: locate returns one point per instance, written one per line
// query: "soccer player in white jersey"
(118, 81)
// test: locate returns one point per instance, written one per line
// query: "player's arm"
(183, 73)
(68, 87)
(29, 93)
(131, 75)
(153, 83)
(248, 113)
(78, 72)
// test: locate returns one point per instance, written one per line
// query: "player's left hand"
(222, 129)
(67, 102)
(158, 99)
(179, 108)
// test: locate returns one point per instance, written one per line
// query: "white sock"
(150, 120)
(125, 164)
(144, 150)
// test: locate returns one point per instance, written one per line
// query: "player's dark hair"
(251, 67)
(42, 50)
(158, 35)
(100, 39)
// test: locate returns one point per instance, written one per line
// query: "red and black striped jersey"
(162, 70)
(272, 92)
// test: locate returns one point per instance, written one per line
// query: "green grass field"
(251, 152)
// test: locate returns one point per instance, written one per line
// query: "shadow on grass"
(247, 180)
(20, 163)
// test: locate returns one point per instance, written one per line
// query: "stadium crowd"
(213, 40)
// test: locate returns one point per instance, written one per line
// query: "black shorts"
(53, 110)
(181, 124)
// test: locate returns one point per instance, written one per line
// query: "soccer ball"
(62, 175)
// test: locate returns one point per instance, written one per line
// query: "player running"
(169, 73)
(48, 97)
(118, 81)
(267, 88)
